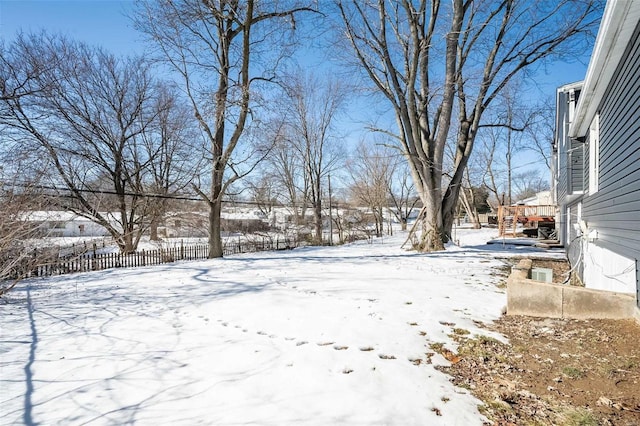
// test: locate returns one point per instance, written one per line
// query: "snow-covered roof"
(57, 216)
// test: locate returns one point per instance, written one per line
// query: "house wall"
(566, 99)
(575, 164)
(66, 224)
(572, 231)
(612, 214)
(83, 228)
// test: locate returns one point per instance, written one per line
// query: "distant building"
(64, 224)
(542, 198)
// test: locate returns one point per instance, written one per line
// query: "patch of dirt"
(561, 270)
(553, 372)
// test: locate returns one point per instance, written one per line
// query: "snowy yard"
(313, 336)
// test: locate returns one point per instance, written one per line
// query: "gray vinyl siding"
(576, 165)
(614, 210)
(562, 129)
(567, 97)
(570, 169)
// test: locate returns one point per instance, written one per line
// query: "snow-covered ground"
(312, 336)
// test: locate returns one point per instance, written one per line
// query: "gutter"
(616, 29)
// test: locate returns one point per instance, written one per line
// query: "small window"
(594, 154)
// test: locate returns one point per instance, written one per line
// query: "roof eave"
(616, 29)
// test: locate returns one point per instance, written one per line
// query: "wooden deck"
(510, 216)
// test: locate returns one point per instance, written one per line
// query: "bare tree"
(174, 148)
(370, 171)
(86, 113)
(289, 173)
(540, 132)
(263, 192)
(20, 194)
(484, 44)
(512, 128)
(314, 105)
(528, 183)
(487, 156)
(513, 120)
(221, 50)
(401, 192)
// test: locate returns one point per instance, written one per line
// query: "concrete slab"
(535, 298)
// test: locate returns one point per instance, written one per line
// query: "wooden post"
(93, 260)
(411, 232)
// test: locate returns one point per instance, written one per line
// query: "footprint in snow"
(415, 361)
(302, 342)
(325, 343)
(384, 356)
(340, 348)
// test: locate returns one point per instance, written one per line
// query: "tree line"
(221, 108)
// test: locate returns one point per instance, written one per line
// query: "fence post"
(93, 258)
(35, 262)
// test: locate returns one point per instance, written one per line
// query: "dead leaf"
(451, 357)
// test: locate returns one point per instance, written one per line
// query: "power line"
(108, 192)
(137, 194)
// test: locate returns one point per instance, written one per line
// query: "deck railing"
(510, 216)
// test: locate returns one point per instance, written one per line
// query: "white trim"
(563, 122)
(618, 24)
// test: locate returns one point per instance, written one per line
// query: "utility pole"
(330, 215)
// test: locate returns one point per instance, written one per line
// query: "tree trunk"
(128, 246)
(379, 222)
(215, 240)
(400, 65)
(468, 202)
(215, 201)
(153, 229)
(433, 232)
(449, 206)
(317, 211)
